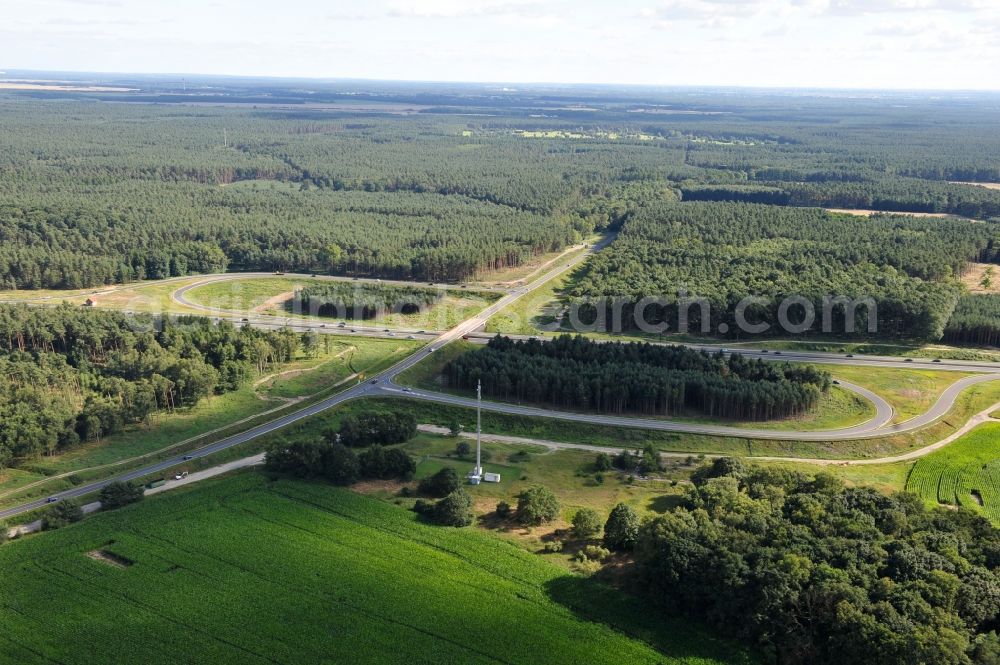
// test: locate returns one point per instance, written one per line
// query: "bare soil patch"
(110, 558)
(869, 213)
(987, 185)
(973, 278)
(275, 302)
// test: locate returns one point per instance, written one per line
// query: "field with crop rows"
(246, 570)
(965, 473)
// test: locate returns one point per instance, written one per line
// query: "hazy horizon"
(793, 44)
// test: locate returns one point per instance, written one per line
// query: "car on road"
(407, 390)
(245, 320)
(410, 337)
(465, 337)
(187, 458)
(373, 381)
(52, 499)
(777, 353)
(849, 355)
(907, 360)
(936, 360)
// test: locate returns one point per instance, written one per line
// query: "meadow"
(249, 570)
(276, 296)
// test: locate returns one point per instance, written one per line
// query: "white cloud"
(864, 7)
(462, 8)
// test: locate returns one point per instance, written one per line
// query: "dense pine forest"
(976, 321)
(724, 252)
(71, 375)
(465, 181)
(347, 300)
(578, 373)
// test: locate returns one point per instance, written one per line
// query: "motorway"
(384, 385)
(375, 387)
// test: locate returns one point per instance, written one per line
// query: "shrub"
(503, 509)
(340, 465)
(442, 483)
(455, 509)
(303, 459)
(377, 428)
(60, 514)
(651, 462)
(585, 566)
(383, 463)
(626, 460)
(423, 507)
(586, 523)
(455, 428)
(117, 494)
(536, 505)
(622, 528)
(603, 462)
(519, 456)
(463, 449)
(311, 459)
(595, 553)
(553, 546)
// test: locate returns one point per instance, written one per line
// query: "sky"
(911, 44)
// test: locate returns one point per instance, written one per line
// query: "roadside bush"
(118, 494)
(442, 483)
(303, 459)
(503, 509)
(626, 460)
(365, 429)
(586, 523)
(454, 510)
(386, 463)
(622, 528)
(603, 462)
(463, 449)
(536, 505)
(341, 465)
(650, 462)
(314, 459)
(60, 514)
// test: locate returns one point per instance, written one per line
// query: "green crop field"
(964, 473)
(247, 570)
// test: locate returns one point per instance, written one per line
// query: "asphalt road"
(383, 385)
(373, 387)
